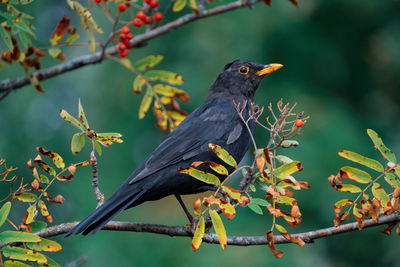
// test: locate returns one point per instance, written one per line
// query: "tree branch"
(212, 238)
(7, 86)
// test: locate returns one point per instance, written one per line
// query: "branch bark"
(212, 238)
(7, 86)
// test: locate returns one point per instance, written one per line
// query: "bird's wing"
(207, 124)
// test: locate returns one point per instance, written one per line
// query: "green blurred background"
(342, 67)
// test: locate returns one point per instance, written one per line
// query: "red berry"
(299, 123)
(98, 1)
(147, 1)
(147, 20)
(129, 36)
(137, 23)
(140, 15)
(122, 47)
(125, 30)
(153, 3)
(122, 7)
(123, 53)
(158, 16)
(122, 36)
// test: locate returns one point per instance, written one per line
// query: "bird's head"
(240, 79)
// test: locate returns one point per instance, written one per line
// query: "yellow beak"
(268, 69)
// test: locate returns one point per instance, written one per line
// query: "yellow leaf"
(198, 234)
(145, 105)
(223, 154)
(219, 228)
(287, 169)
(179, 5)
(202, 176)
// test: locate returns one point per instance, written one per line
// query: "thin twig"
(95, 181)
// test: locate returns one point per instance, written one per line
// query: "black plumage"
(216, 121)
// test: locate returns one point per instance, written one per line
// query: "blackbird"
(216, 121)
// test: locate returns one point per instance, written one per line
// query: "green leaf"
(146, 102)
(219, 228)
(148, 62)
(223, 154)
(67, 117)
(198, 234)
(202, 176)
(259, 201)
(31, 214)
(355, 174)
(255, 208)
(348, 188)
(4, 211)
(6, 36)
(380, 194)
(370, 163)
(179, 5)
(23, 254)
(77, 143)
(287, 169)
(165, 76)
(16, 236)
(386, 152)
(10, 263)
(45, 245)
(25, 197)
(82, 116)
(289, 143)
(391, 179)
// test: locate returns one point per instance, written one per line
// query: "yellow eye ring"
(243, 70)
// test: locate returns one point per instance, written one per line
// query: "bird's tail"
(123, 198)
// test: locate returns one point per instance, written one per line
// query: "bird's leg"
(188, 215)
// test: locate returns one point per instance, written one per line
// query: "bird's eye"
(244, 70)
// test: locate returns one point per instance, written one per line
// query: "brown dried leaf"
(388, 228)
(271, 244)
(59, 31)
(276, 212)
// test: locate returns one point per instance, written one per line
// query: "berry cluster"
(145, 16)
(124, 37)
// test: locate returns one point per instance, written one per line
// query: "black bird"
(216, 121)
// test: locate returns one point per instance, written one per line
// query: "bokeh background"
(342, 67)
